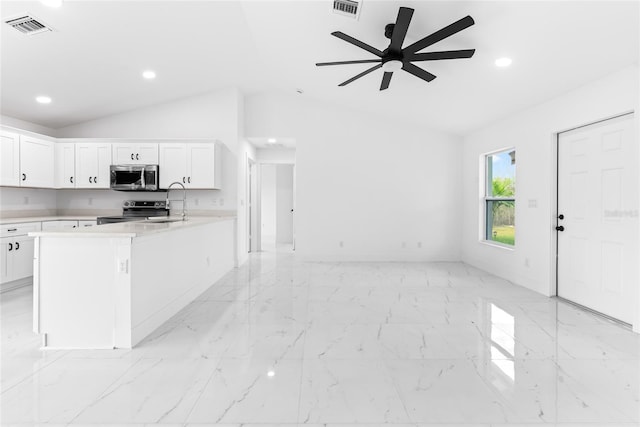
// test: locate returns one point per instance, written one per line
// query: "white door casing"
(598, 198)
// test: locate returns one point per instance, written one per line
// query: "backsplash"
(18, 202)
(25, 202)
(72, 202)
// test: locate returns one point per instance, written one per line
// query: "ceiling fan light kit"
(394, 57)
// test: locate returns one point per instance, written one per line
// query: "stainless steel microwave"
(135, 177)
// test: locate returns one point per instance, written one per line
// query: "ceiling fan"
(395, 57)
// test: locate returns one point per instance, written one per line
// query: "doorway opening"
(277, 207)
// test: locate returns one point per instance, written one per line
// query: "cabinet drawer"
(59, 225)
(17, 229)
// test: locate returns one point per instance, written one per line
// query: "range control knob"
(157, 204)
(126, 203)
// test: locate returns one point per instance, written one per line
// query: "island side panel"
(170, 270)
(75, 298)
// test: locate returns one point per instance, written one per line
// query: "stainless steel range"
(135, 210)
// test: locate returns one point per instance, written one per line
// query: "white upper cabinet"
(143, 153)
(36, 162)
(9, 159)
(173, 164)
(65, 165)
(92, 165)
(196, 165)
(26, 161)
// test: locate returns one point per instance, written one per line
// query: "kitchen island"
(112, 285)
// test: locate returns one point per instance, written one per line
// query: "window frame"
(487, 200)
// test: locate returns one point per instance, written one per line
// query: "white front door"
(598, 209)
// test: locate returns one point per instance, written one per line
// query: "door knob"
(560, 228)
(560, 216)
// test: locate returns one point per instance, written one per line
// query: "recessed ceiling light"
(271, 140)
(51, 3)
(503, 62)
(271, 374)
(149, 74)
(43, 99)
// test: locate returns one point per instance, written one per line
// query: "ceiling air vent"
(350, 8)
(27, 25)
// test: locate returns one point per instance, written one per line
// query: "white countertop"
(132, 228)
(47, 218)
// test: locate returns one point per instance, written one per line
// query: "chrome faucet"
(184, 198)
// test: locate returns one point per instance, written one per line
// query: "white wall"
(276, 155)
(365, 181)
(28, 126)
(532, 132)
(16, 202)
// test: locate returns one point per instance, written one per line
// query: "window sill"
(497, 245)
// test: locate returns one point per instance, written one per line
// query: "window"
(499, 199)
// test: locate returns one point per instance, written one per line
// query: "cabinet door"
(92, 165)
(9, 158)
(36, 162)
(173, 164)
(22, 257)
(201, 165)
(123, 153)
(65, 165)
(103, 153)
(6, 268)
(147, 154)
(86, 165)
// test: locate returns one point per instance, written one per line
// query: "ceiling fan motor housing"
(388, 30)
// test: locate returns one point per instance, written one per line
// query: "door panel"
(173, 164)
(598, 196)
(9, 159)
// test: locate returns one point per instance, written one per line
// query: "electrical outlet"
(526, 262)
(196, 202)
(341, 244)
(90, 201)
(26, 200)
(404, 245)
(221, 202)
(419, 244)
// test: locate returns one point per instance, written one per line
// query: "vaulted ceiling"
(91, 64)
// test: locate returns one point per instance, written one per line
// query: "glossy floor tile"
(279, 342)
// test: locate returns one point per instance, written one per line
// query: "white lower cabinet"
(16, 249)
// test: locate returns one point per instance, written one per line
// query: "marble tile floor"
(279, 342)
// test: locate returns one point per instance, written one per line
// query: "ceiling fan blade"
(386, 79)
(447, 54)
(364, 73)
(400, 29)
(360, 61)
(445, 32)
(417, 71)
(356, 42)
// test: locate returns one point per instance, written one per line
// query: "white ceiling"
(91, 64)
